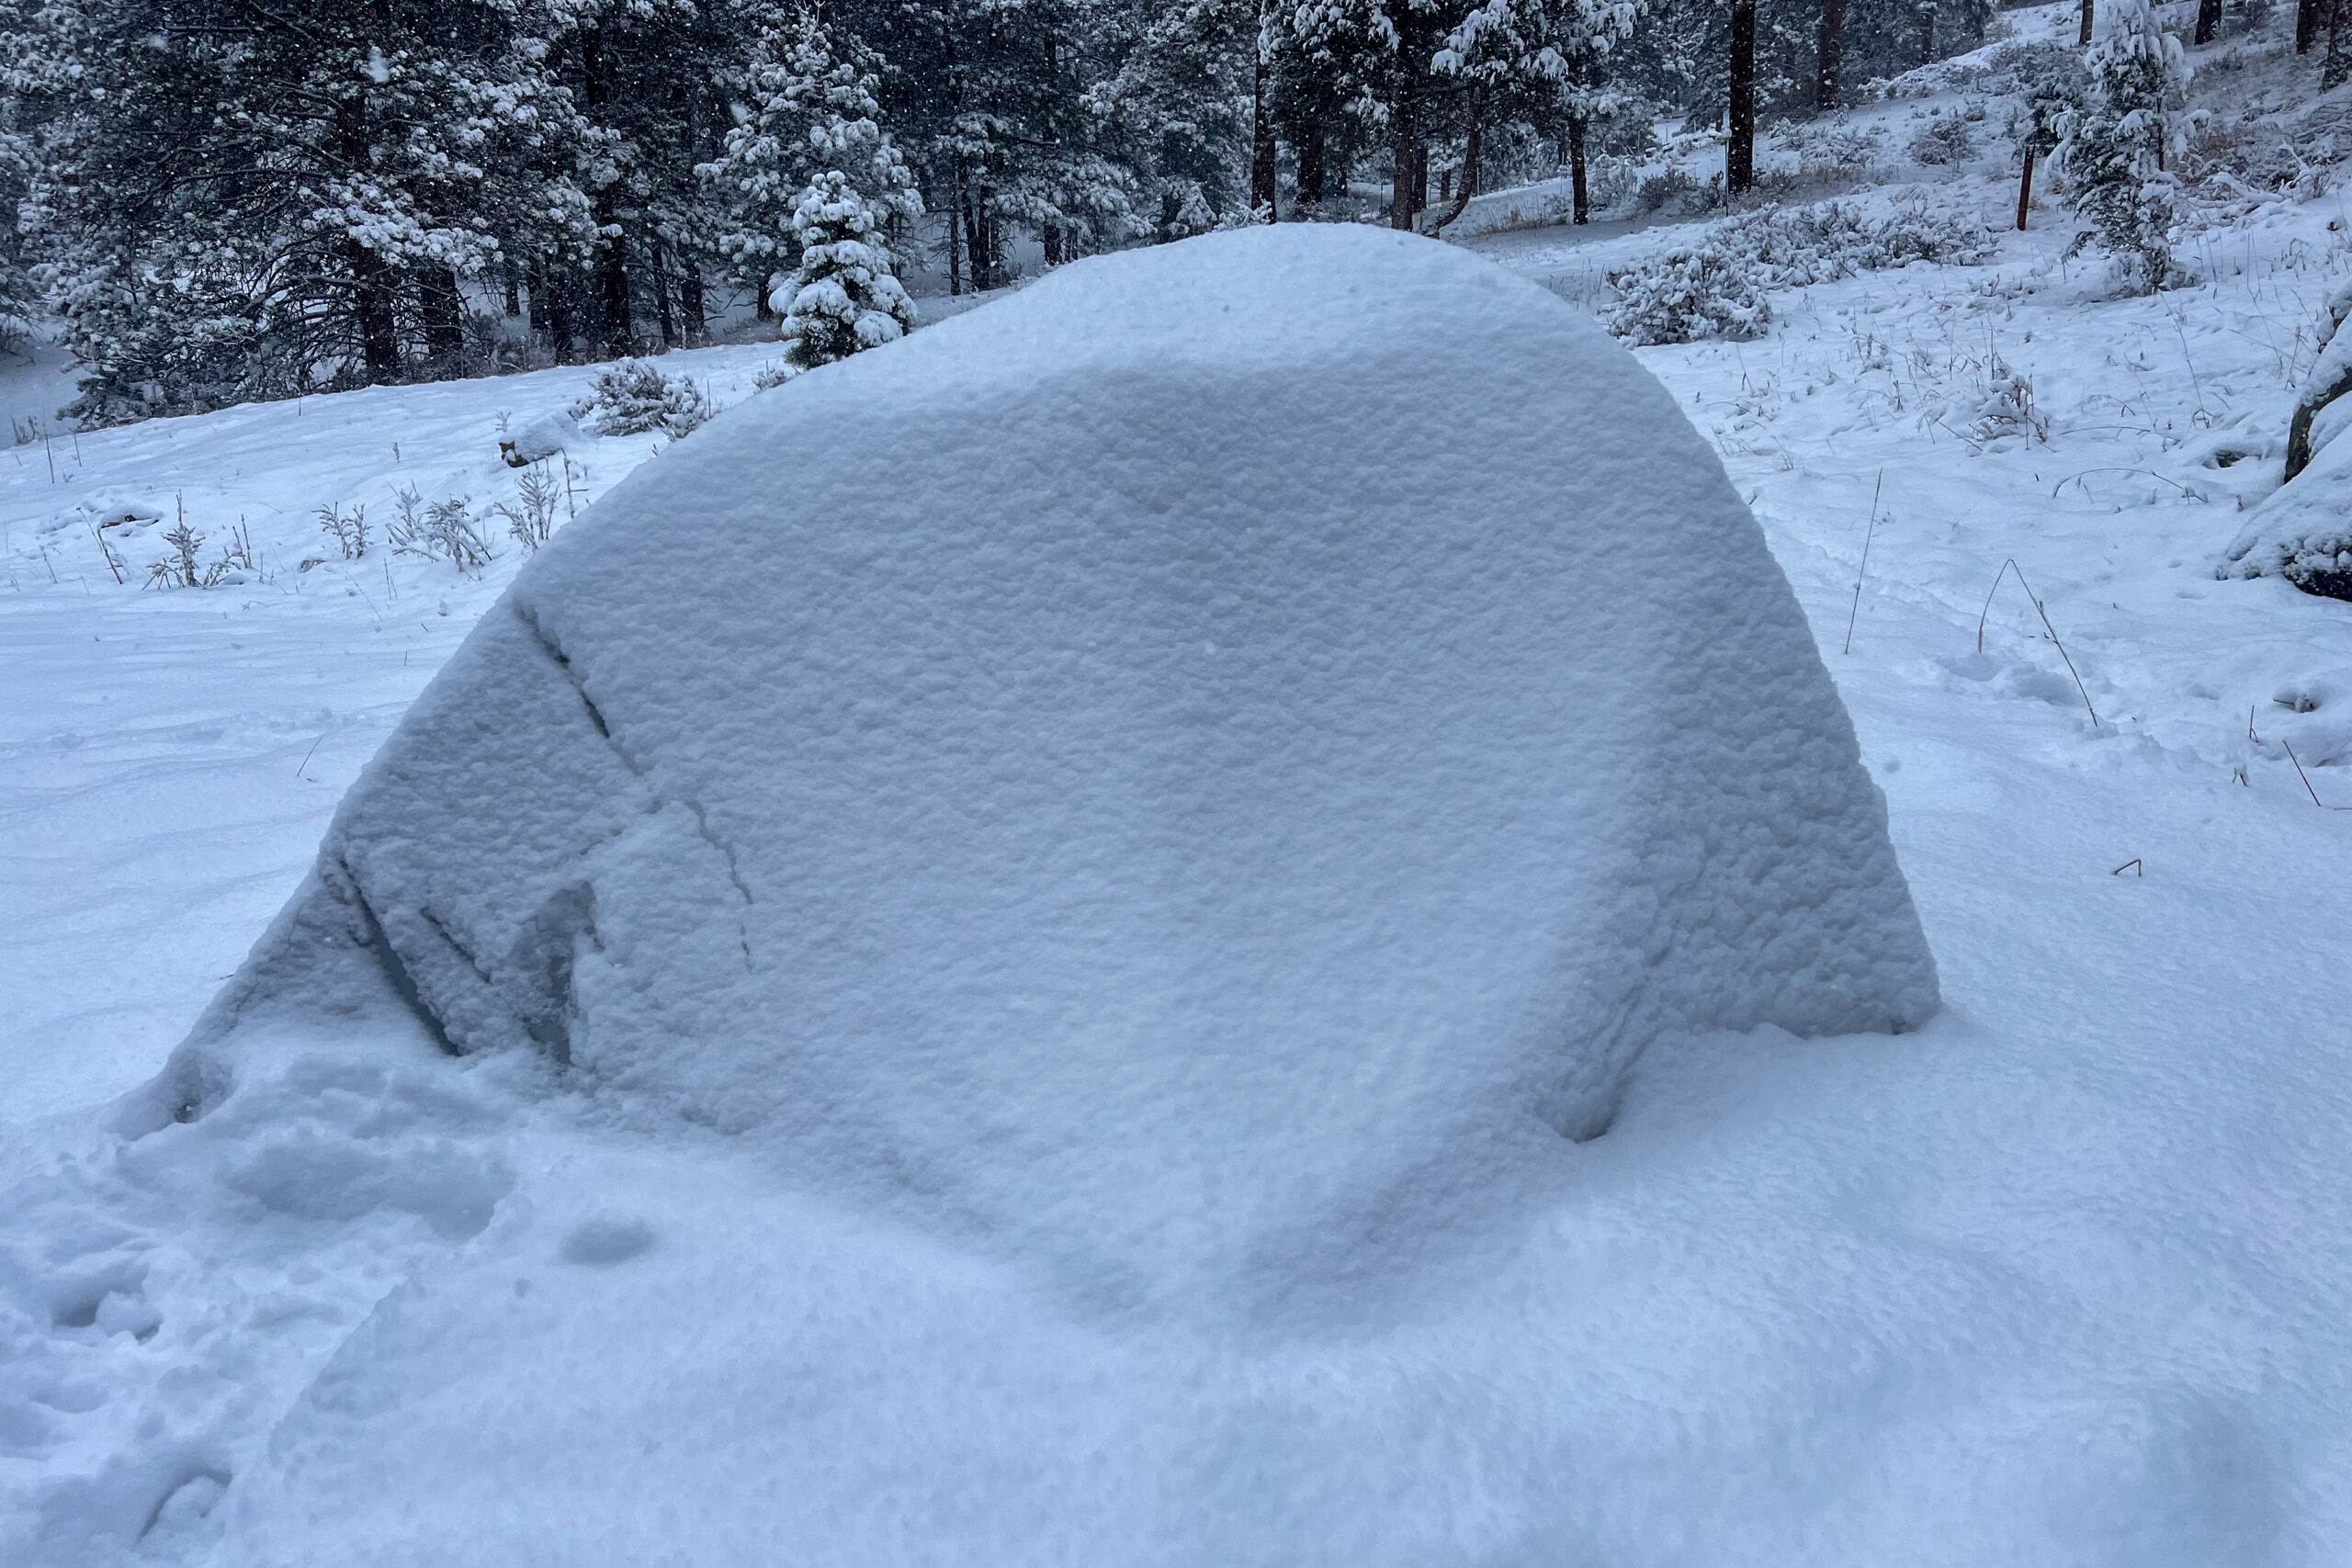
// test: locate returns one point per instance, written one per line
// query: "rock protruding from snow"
(1190, 771)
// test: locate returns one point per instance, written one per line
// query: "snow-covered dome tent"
(1189, 771)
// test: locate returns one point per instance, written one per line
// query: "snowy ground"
(2059, 1281)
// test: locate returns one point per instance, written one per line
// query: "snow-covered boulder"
(1191, 773)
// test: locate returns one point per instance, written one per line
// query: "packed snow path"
(2056, 1282)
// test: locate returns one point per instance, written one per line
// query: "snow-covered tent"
(1212, 754)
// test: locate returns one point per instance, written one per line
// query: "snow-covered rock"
(540, 439)
(1097, 750)
(1189, 784)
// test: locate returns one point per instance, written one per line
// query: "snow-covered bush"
(1676, 185)
(630, 397)
(1716, 290)
(2117, 144)
(2008, 408)
(1686, 295)
(1944, 140)
(1830, 148)
(1185, 211)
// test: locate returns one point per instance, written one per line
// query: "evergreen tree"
(2117, 143)
(845, 295)
(249, 203)
(808, 157)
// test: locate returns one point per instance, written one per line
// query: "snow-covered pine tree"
(244, 205)
(2117, 144)
(1539, 60)
(808, 165)
(845, 294)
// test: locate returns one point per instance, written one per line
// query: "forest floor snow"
(2057, 1280)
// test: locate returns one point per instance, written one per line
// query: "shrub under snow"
(632, 397)
(1717, 289)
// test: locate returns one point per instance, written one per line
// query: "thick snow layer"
(1075, 811)
(2056, 1280)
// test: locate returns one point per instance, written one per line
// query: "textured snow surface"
(2057, 1280)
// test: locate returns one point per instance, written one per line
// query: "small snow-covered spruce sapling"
(811, 178)
(2117, 144)
(845, 295)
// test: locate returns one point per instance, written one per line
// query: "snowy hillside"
(2057, 1279)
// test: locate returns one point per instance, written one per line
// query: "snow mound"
(1184, 775)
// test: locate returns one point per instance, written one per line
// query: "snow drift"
(1185, 774)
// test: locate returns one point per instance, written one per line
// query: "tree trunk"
(436, 288)
(1827, 48)
(662, 315)
(612, 257)
(2025, 187)
(2083, 40)
(513, 292)
(1311, 160)
(690, 298)
(2306, 25)
(955, 234)
(1405, 143)
(1469, 182)
(1421, 175)
(371, 290)
(536, 283)
(1739, 154)
(975, 241)
(1580, 193)
(2332, 74)
(1927, 33)
(371, 298)
(2208, 20)
(1261, 143)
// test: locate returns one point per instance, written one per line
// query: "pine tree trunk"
(2208, 20)
(612, 258)
(1404, 142)
(1261, 143)
(436, 288)
(2025, 187)
(1828, 50)
(371, 296)
(612, 279)
(1310, 162)
(2332, 74)
(1581, 194)
(1739, 154)
(536, 284)
(661, 296)
(514, 294)
(371, 289)
(2306, 25)
(1469, 187)
(1421, 175)
(561, 287)
(690, 297)
(2083, 40)
(1927, 33)
(955, 233)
